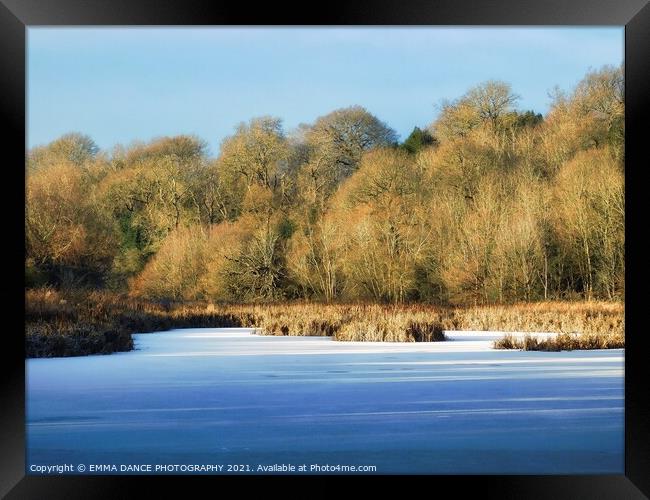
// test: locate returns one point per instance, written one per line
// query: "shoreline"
(76, 324)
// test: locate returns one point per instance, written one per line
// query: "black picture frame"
(17, 15)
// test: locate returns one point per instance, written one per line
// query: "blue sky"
(123, 84)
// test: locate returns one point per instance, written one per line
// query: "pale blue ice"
(226, 396)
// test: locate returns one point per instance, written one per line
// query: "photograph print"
(325, 250)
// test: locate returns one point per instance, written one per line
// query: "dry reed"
(69, 324)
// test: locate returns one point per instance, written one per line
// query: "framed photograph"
(392, 239)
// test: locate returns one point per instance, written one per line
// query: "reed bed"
(562, 342)
(79, 323)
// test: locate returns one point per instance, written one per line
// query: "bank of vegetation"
(488, 205)
(78, 323)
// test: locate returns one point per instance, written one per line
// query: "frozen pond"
(225, 396)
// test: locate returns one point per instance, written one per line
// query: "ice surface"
(226, 396)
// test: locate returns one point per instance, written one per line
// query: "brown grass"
(79, 323)
(562, 342)
(75, 324)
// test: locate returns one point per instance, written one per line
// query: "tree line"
(489, 204)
